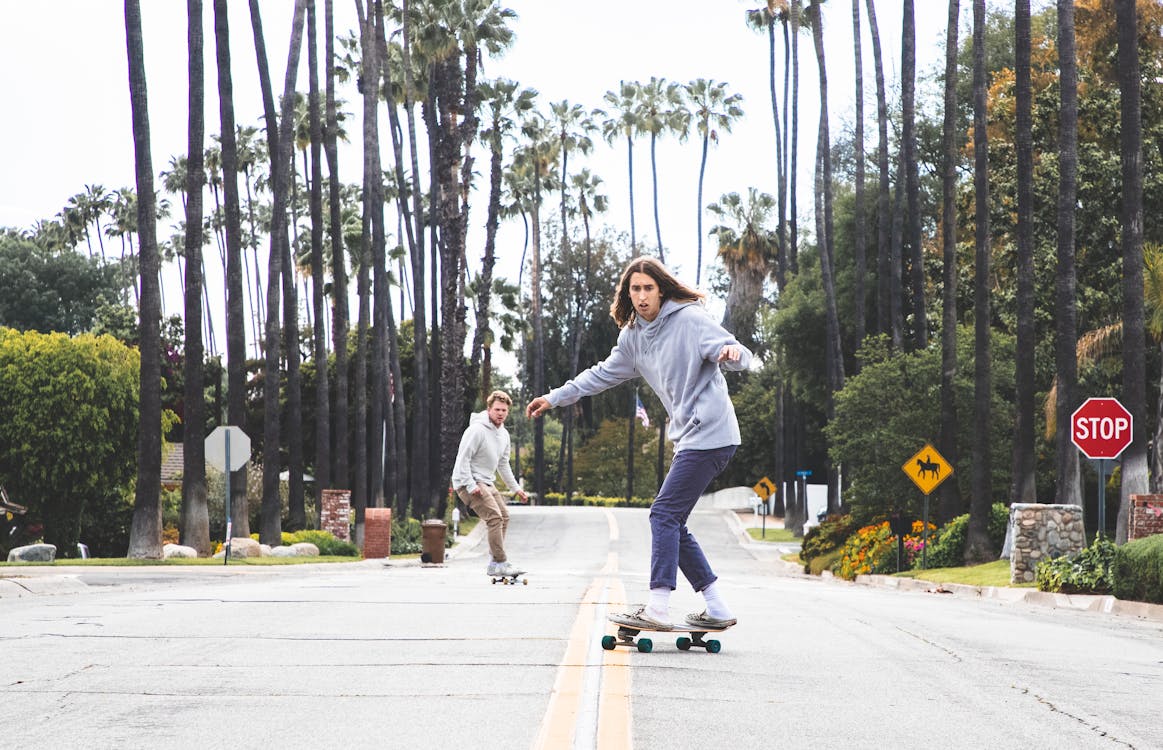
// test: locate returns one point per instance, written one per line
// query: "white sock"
(659, 606)
(716, 607)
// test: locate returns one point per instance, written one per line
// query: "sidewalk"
(1107, 604)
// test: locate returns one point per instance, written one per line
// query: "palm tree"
(1024, 490)
(796, 14)
(505, 102)
(950, 494)
(977, 545)
(1134, 463)
(235, 315)
(623, 121)
(763, 19)
(194, 530)
(573, 127)
(713, 110)
(661, 111)
(145, 535)
(747, 247)
(1065, 284)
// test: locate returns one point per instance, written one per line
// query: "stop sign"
(1101, 428)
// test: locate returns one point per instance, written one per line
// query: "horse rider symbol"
(925, 466)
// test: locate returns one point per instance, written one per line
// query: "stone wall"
(1146, 516)
(336, 514)
(1042, 532)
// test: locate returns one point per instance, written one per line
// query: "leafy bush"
(949, 549)
(823, 562)
(324, 540)
(822, 540)
(406, 536)
(1137, 571)
(870, 550)
(1087, 572)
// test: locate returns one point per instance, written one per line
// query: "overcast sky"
(67, 119)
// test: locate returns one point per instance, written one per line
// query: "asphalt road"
(367, 655)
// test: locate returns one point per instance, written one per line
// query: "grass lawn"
(774, 534)
(996, 573)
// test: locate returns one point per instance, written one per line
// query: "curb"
(19, 586)
(1105, 604)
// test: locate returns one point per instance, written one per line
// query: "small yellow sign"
(927, 468)
(765, 488)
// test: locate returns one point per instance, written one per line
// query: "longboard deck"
(628, 636)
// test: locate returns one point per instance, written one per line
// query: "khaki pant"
(490, 506)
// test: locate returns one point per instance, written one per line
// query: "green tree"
(661, 111)
(68, 425)
(600, 464)
(623, 121)
(747, 248)
(713, 109)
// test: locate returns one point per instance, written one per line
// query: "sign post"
(227, 449)
(1102, 428)
(927, 468)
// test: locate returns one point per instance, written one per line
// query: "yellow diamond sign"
(927, 468)
(765, 488)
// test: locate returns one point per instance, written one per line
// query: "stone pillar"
(336, 514)
(1146, 516)
(377, 532)
(1042, 532)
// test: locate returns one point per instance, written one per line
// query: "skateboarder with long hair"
(671, 341)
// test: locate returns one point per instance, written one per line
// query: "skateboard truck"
(510, 580)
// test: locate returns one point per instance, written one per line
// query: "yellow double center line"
(570, 717)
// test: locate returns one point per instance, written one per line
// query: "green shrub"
(600, 501)
(872, 549)
(823, 562)
(826, 538)
(948, 551)
(324, 540)
(1087, 572)
(1137, 571)
(406, 536)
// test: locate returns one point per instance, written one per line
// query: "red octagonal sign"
(1101, 428)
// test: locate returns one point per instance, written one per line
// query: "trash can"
(432, 535)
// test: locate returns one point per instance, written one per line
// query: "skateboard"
(627, 636)
(511, 580)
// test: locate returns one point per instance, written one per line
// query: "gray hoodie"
(676, 354)
(484, 451)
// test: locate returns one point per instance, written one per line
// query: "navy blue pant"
(673, 547)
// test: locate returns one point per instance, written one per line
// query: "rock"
(241, 547)
(282, 551)
(264, 550)
(33, 553)
(178, 550)
(305, 549)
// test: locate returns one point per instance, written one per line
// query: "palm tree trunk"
(950, 498)
(1065, 284)
(883, 209)
(1134, 469)
(630, 166)
(194, 530)
(145, 534)
(488, 262)
(793, 246)
(281, 148)
(702, 172)
(538, 334)
(977, 544)
(912, 181)
(654, 182)
(235, 315)
(1024, 489)
(860, 243)
(780, 148)
(322, 467)
(340, 477)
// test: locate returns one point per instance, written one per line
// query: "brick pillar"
(336, 514)
(377, 532)
(1146, 516)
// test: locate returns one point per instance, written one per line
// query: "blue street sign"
(803, 473)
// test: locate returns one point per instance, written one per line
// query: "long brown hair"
(622, 310)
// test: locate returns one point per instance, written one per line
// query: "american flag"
(640, 413)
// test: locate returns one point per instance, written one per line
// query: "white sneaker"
(507, 569)
(492, 569)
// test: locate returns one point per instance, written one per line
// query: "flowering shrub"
(825, 539)
(914, 542)
(870, 550)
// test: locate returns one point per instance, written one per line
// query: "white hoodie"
(484, 451)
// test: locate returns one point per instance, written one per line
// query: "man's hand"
(732, 352)
(537, 407)
(475, 490)
(521, 492)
